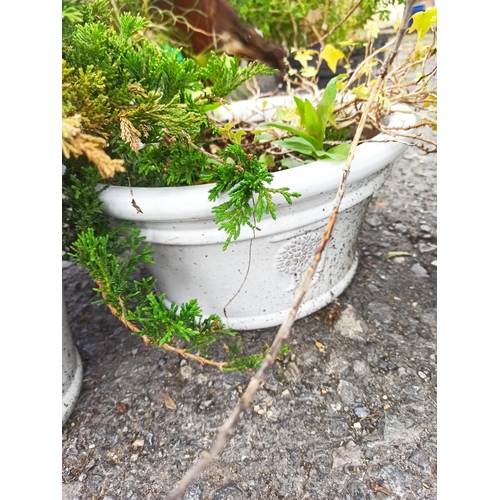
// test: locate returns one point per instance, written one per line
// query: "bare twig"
(341, 22)
(284, 331)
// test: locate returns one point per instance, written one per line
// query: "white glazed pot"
(188, 255)
(72, 371)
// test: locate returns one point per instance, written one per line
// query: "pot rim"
(191, 202)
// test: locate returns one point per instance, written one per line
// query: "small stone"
(400, 227)
(425, 228)
(374, 221)
(357, 425)
(384, 397)
(134, 457)
(194, 493)
(138, 442)
(186, 372)
(285, 393)
(434, 263)
(256, 408)
(134, 351)
(418, 457)
(349, 393)
(386, 407)
(421, 374)
(183, 362)
(372, 288)
(419, 270)
(95, 483)
(361, 411)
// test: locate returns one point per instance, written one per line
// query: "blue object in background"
(414, 10)
(168, 48)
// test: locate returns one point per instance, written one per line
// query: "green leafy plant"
(135, 113)
(310, 138)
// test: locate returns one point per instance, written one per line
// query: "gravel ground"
(355, 419)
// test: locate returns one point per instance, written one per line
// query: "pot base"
(307, 307)
(70, 395)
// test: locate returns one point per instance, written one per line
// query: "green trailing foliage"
(136, 301)
(243, 178)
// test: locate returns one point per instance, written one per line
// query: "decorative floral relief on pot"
(295, 255)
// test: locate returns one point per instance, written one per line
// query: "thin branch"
(340, 23)
(284, 330)
(147, 339)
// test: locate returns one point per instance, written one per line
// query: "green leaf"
(339, 152)
(327, 104)
(308, 72)
(267, 159)
(288, 128)
(291, 163)
(422, 21)
(300, 107)
(263, 136)
(312, 123)
(297, 144)
(286, 114)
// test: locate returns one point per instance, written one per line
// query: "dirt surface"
(354, 419)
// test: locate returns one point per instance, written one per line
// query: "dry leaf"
(169, 402)
(378, 488)
(319, 345)
(130, 134)
(136, 206)
(121, 407)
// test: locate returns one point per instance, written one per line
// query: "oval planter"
(252, 284)
(72, 371)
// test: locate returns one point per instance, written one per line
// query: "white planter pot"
(190, 262)
(72, 371)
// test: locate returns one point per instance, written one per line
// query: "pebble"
(418, 270)
(398, 480)
(228, 492)
(186, 372)
(95, 483)
(374, 221)
(424, 248)
(373, 288)
(361, 411)
(400, 227)
(349, 393)
(418, 457)
(194, 493)
(425, 228)
(421, 374)
(285, 393)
